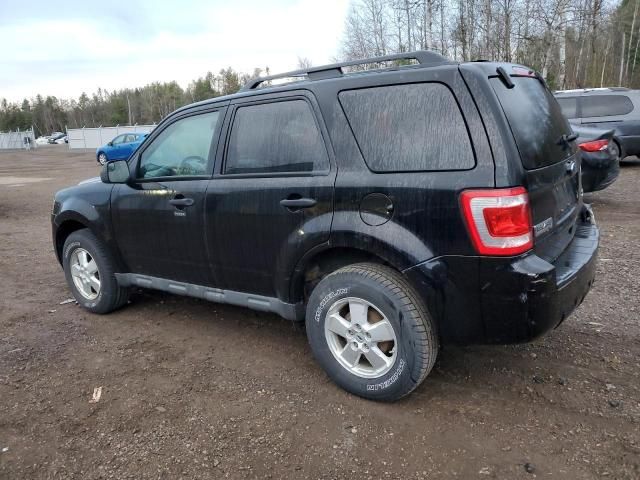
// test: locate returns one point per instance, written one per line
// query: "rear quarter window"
(414, 127)
(569, 106)
(605, 105)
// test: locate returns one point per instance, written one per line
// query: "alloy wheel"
(85, 273)
(360, 337)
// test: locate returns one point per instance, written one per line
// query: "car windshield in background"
(536, 121)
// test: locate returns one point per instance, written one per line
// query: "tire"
(615, 150)
(388, 299)
(109, 295)
(102, 158)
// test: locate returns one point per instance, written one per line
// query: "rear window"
(413, 127)
(536, 121)
(605, 105)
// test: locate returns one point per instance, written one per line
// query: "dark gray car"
(615, 108)
(600, 163)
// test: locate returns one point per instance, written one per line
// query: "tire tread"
(425, 334)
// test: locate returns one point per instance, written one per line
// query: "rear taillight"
(595, 146)
(499, 220)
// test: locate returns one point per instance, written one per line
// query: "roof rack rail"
(334, 70)
(594, 89)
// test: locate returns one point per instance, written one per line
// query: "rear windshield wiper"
(504, 76)
(566, 139)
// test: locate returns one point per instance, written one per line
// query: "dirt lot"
(196, 390)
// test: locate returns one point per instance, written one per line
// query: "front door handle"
(297, 203)
(181, 202)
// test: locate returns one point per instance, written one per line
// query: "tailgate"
(554, 195)
(551, 161)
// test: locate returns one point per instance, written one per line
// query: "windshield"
(536, 121)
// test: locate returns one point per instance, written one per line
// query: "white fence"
(13, 140)
(95, 137)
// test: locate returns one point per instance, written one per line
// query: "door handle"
(181, 202)
(297, 203)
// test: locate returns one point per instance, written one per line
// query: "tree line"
(145, 105)
(572, 43)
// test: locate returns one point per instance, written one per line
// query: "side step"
(290, 311)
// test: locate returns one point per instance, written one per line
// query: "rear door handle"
(298, 202)
(181, 202)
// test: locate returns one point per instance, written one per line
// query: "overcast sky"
(65, 48)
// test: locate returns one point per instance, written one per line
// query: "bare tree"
(569, 41)
(304, 63)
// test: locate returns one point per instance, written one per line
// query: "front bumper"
(508, 300)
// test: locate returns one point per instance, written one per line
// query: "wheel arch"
(65, 228)
(329, 258)
(70, 221)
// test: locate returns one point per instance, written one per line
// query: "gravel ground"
(192, 389)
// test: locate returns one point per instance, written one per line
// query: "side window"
(569, 106)
(181, 149)
(409, 128)
(275, 137)
(118, 140)
(129, 138)
(605, 105)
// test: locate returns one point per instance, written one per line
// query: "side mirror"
(110, 144)
(115, 172)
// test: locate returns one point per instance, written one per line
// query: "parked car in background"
(57, 137)
(373, 206)
(600, 162)
(616, 108)
(120, 148)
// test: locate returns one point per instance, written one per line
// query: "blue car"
(120, 148)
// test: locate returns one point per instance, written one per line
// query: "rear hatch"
(551, 161)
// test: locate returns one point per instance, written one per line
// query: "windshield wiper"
(566, 139)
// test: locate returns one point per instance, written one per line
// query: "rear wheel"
(102, 158)
(89, 270)
(614, 150)
(370, 331)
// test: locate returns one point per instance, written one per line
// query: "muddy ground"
(192, 389)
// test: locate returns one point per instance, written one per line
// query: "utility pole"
(129, 106)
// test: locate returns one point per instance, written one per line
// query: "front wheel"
(370, 331)
(89, 270)
(102, 158)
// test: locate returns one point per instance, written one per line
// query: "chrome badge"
(543, 226)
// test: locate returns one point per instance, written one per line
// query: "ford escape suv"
(392, 209)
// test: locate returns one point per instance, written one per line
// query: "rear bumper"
(599, 171)
(508, 300)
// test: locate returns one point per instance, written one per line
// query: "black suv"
(392, 209)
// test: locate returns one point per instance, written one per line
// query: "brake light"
(499, 220)
(595, 146)
(523, 72)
